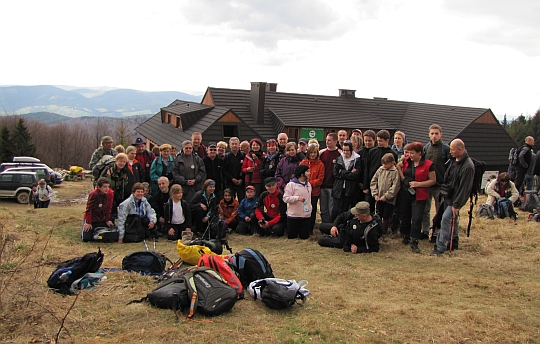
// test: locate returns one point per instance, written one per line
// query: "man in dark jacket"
(232, 169)
(524, 160)
(157, 202)
(214, 169)
(456, 189)
(355, 231)
(145, 157)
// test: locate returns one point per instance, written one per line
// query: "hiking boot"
(414, 246)
(423, 236)
(406, 240)
(436, 252)
(186, 237)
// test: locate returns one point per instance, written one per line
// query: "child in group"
(228, 208)
(245, 212)
(270, 212)
(33, 198)
(176, 214)
(297, 195)
(384, 189)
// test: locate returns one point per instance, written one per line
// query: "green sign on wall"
(312, 133)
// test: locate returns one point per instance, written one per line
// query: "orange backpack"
(220, 265)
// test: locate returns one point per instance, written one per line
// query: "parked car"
(17, 184)
(41, 172)
(26, 161)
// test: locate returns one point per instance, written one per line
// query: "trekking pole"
(452, 235)
(154, 240)
(145, 245)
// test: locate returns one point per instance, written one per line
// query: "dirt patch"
(71, 193)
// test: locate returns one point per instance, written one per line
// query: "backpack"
(479, 170)
(215, 229)
(251, 265)
(514, 160)
(133, 229)
(223, 267)
(67, 274)
(103, 163)
(209, 292)
(486, 210)
(106, 234)
(277, 293)
(171, 294)
(215, 245)
(531, 202)
(145, 263)
(504, 208)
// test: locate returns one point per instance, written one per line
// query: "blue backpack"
(504, 208)
(64, 279)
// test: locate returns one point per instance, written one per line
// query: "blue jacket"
(246, 208)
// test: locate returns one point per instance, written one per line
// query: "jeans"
(326, 204)
(446, 229)
(529, 181)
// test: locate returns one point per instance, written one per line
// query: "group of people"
(275, 188)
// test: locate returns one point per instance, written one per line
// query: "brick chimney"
(256, 101)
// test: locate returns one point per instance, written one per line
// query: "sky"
(477, 53)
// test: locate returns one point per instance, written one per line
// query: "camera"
(262, 222)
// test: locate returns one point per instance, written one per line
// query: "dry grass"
(486, 292)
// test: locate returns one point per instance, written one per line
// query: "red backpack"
(220, 265)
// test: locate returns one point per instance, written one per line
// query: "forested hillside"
(522, 127)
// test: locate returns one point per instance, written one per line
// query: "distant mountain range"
(77, 102)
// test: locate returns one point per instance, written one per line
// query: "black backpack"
(106, 234)
(145, 262)
(133, 229)
(251, 265)
(105, 162)
(278, 294)
(209, 292)
(171, 294)
(215, 245)
(70, 271)
(479, 170)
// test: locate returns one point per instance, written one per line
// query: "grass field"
(486, 292)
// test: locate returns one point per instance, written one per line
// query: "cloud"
(265, 23)
(508, 23)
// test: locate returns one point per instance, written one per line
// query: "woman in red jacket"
(417, 175)
(252, 165)
(316, 178)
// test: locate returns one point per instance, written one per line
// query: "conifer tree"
(6, 147)
(22, 145)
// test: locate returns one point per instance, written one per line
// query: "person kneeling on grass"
(98, 209)
(355, 231)
(177, 214)
(245, 212)
(228, 208)
(136, 204)
(270, 213)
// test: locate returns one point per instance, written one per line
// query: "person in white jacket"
(297, 195)
(501, 187)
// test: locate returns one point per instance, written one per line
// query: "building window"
(178, 122)
(230, 131)
(168, 118)
(293, 135)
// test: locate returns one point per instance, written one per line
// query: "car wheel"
(22, 197)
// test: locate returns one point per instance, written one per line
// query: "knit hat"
(256, 140)
(300, 169)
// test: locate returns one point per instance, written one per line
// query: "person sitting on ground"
(502, 187)
(177, 214)
(44, 193)
(98, 209)
(270, 212)
(384, 188)
(245, 212)
(228, 208)
(158, 200)
(203, 205)
(136, 204)
(355, 230)
(297, 195)
(147, 191)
